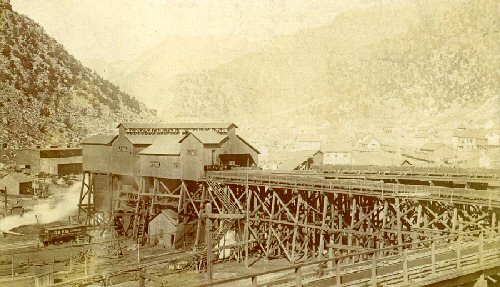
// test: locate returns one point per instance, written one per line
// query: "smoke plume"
(46, 212)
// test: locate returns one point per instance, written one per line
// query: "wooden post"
(405, 266)
(330, 252)
(142, 281)
(298, 277)
(268, 243)
(337, 273)
(198, 229)
(493, 224)
(12, 265)
(208, 232)
(86, 263)
(374, 271)
(5, 200)
(433, 257)
(481, 249)
(254, 281)
(71, 258)
(322, 232)
(459, 252)
(247, 222)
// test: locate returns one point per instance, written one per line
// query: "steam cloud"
(45, 211)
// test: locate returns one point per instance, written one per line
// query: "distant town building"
(484, 124)
(438, 151)
(369, 142)
(337, 154)
(469, 139)
(17, 184)
(493, 138)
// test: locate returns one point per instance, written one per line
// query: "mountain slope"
(396, 64)
(149, 75)
(46, 95)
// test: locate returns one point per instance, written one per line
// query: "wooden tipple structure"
(131, 177)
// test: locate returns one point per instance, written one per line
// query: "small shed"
(17, 183)
(163, 228)
(44, 276)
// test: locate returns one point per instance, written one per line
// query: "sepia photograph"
(259, 143)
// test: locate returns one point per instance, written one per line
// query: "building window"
(176, 165)
(122, 148)
(192, 152)
(154, 164)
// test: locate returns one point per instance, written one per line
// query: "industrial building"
(148, 168)
(55, 161)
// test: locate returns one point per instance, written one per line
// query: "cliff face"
(46, 95)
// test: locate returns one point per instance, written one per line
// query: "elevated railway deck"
(475, 178)
(311, 181)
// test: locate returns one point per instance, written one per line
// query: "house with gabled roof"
(469, 139)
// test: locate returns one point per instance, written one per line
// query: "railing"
(411, 170)
(490, 198)
(410, 268)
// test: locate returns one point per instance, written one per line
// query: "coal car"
(63, 233)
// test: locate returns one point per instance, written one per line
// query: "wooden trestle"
(301, 217)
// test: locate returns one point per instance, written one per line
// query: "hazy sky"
(123, 29)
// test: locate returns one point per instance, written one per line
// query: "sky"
(114, 30)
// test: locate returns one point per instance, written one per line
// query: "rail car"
(63, 233)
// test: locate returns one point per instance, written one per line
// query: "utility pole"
(5, 201)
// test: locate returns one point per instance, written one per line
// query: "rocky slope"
(49, 97)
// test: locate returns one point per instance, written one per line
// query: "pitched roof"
(249, 145)
(433, 146)
(177, 125)
(337, 147)
(470, 133)
(141, 139)
(164, 145)
(208, 137)
(168, 213)
(99, 139)
(295, 159)
(19, 177)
